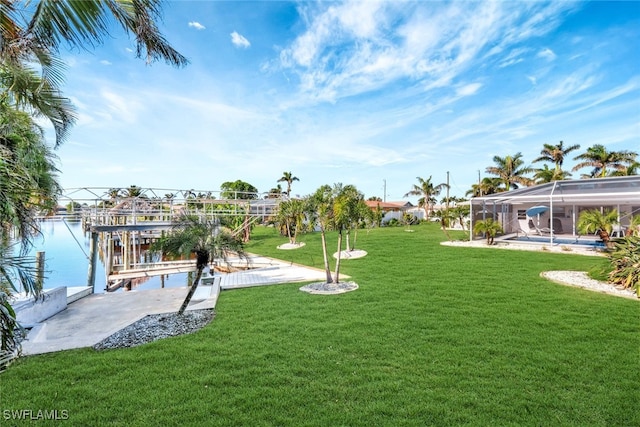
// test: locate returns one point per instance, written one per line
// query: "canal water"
(66, 249)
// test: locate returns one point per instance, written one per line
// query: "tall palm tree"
(322, 211)
(345, 211)
(603, 161)
(428, 191)
(204, 237)
(288, 178)
(510, 170)
(555, 154)
(28, 187)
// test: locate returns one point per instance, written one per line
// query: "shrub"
(625, 260)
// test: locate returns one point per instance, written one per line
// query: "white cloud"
(547, 54)
(239, 40)
(467, 90)
(196, 25)
(105, 62)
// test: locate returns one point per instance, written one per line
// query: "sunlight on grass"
(434, 335)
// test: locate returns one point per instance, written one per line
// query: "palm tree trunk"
(192, 291)
(326, 258)
(337, 275)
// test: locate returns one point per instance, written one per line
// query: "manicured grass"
(435, 335)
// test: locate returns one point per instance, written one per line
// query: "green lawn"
(435, 335)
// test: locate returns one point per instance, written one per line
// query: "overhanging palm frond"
(81, 23)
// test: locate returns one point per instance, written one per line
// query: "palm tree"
(595, 221)
(445, 217)
(28, 187)
(288, 178)
(291, 214)
(545, 174)
(345, 211)
(555, 154)
(603, 161)
(510, 170)
(487, 186)
(489, 228)
(428, 191)
(631, 169)
(634, 226)
(193, 234)
(34, 34)
(322, 212)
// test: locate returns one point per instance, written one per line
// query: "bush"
(393, 222)
(625, 261)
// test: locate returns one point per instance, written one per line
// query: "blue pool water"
(562, 241)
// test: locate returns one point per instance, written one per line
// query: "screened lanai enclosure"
(552, 209)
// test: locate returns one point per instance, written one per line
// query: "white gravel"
(580, 279)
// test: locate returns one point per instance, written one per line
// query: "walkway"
(93, 318)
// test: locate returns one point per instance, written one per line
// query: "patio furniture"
(540, 231)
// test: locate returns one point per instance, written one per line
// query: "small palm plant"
(204, 237)
(634, 226)
(489, 228)
(625, 260)
(594, 221)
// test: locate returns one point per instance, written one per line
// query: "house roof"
(373, 204)
(610, 190)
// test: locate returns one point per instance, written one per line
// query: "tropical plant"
(28, 185)
(238, 190)
(275, 192)
(510, 170)
(488, 185)
(625, 260)
(288, 178)
(363, 217)
(603, 161)
(555, 154)
(321, 208)
(445, 217)
(633, 168)
(133, 191)
(192, 234)
(346, 200)
(460, 211)
(489, 228)
(634, 226)
(291, 215)
(428, 192)
(594, 221)
(546, 174)
(32, 33)
(17, 273)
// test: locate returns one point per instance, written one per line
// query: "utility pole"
(384, 181)
(447, 201)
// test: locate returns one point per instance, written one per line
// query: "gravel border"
(581, 279)
(157, 326)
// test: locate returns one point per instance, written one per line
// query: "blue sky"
(358, 92)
